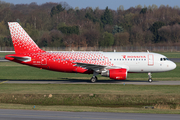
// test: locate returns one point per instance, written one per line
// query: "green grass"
(107, 95)
(88, 109)
(89, 89)
(15, 71)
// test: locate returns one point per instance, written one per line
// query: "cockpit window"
(163, 59)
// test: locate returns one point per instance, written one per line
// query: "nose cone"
(173, 66)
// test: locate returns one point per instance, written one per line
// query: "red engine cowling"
(118, 74)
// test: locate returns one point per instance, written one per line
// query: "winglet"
(21, 40)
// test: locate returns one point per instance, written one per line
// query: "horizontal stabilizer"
(20, 58)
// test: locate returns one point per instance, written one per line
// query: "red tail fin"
(21, 40)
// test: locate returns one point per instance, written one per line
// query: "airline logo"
(132, 56)
(124, 56)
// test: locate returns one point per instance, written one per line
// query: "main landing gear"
(150, 79)
(94, 78)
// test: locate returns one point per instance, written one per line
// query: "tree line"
(59, 25)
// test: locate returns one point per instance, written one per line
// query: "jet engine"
(117, 74)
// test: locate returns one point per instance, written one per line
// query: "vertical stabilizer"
(21, 40)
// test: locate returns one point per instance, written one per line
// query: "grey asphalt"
(73, 81)
(7, 114)
(3, 60)
(175, 59)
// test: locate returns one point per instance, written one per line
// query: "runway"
(7, 114)
(73, 81)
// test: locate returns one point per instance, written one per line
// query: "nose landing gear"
(150, 79)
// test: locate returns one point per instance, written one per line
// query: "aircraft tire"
(93, 79)
(150, 80)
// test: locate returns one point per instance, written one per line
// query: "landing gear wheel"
(150, 80)
(150, 77)
(93, 79)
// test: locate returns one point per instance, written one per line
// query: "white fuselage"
(140, 61)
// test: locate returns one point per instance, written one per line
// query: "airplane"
(115, 65)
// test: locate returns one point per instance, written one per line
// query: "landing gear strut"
(150, 79)
(93, 79)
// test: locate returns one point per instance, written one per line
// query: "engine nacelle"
(117, 74)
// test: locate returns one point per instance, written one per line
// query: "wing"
(99, 68)
(93, 67)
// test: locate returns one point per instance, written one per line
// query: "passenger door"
(150, 59)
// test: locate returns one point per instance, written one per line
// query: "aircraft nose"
(173, 65)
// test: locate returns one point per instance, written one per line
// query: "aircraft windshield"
(163, 59)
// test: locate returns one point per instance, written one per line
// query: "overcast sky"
(112, 4)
